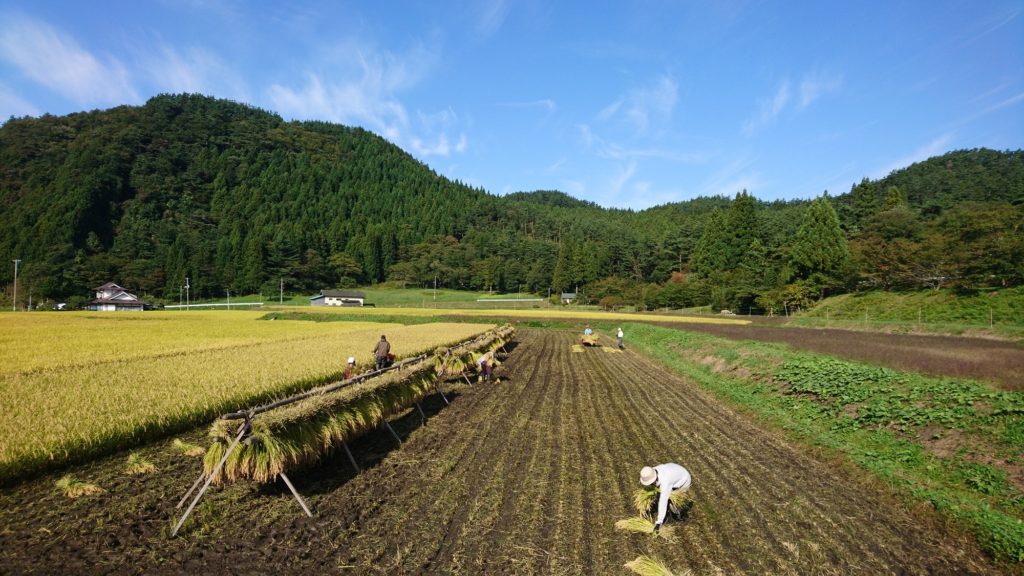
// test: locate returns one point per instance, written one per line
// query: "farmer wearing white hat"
(350, 368)
(669, 477)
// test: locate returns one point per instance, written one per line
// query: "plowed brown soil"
(997, 361)
(525, 476)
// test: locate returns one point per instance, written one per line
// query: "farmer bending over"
(669, 477)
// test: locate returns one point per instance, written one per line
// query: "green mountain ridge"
(235, 198)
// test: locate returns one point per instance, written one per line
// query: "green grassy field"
(996, 312)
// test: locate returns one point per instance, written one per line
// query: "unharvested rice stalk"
(645, 500)
(137, 465)
(73, 488)
(188, 449)
(644, 565)
(645, 526)
(301, 433)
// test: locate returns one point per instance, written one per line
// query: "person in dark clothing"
(381, 352)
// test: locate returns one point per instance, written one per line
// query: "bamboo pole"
(350, 457)
(209, 480)
(296, 494)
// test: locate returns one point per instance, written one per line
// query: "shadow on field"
(370, 449)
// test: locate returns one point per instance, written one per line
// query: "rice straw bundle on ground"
(645, 500)
(188, 449)
(644, 565)
(73, 488)
(645, 526)
(138, 465)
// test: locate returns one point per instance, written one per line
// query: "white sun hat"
(351, 359)
(648, 475)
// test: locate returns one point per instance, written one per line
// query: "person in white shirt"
(620, 335)
(669, 477)
(485, 365)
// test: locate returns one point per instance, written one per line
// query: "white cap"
(648, 475)
(351, 360)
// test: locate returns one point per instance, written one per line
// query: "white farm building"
(338, 298)
(110, 297)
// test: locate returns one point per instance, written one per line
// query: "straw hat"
(648, 475)
(351, 360)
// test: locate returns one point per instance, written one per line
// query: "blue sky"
(627, 104)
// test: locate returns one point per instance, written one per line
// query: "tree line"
(236, 199)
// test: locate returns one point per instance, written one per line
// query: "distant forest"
(235, 198)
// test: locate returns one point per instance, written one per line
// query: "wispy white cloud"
(733, 177)
(13, 105)
(607, 150)
(937, 146)
(815, 85)
(644, 107)
(364, 89)
(193, 70)
(1012, 100)
(440, 148)
(491, 16)
(768, 109)
(622, 175)
(546, 104)
(54, 59)
(995, 23)
(556, 165)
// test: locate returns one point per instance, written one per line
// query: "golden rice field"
(36, 340)
(93, 383)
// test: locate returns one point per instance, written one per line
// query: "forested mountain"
(234, 198)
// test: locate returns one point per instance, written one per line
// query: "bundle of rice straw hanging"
(301, 433)
(458, 360)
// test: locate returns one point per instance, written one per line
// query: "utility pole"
(281, 301)
(186, 294)
(14, 301)
(435, 288)
(229, 298)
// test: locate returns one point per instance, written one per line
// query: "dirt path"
(527, 476)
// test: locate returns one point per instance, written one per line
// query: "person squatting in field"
(485, 365)
(669, 477)
(381, 352)
(350, 368)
